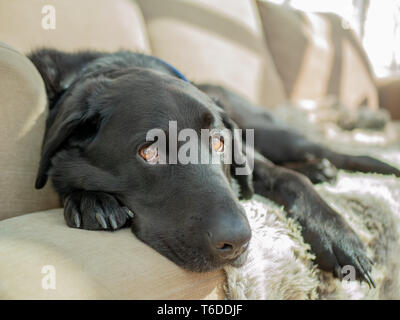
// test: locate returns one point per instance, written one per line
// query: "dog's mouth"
(241, 260)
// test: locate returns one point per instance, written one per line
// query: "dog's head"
(101, 110)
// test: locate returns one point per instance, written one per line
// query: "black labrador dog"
(106, 173)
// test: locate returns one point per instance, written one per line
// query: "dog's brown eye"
(149, 153)
(217, 144)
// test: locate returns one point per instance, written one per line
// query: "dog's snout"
(228, 242)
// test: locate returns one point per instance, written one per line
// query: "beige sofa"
(245, 45)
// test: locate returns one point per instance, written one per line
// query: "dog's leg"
(75, 180)
(286, 147)
(333, 241)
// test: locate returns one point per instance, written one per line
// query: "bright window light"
(376, 22)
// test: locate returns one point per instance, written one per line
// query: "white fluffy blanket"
(280, 264)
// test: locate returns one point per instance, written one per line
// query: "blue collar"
(174, 70)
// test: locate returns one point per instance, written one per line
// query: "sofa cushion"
(90, 264)
(89, 24)
(215, 41)
(23, 105)
(317, 57)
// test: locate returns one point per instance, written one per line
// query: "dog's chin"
(208, 265)
(195, 260)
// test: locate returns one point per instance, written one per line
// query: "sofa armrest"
(389, 95)
(23, 105)
(42, 258)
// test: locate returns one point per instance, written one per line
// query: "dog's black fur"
(101, 107)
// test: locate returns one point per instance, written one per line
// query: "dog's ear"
(239, 159)
(75, 115)
(59, 69)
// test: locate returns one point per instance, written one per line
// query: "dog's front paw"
(317, 170)
(94, 211)
(340, 250)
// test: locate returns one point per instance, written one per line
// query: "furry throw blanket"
(280, 263)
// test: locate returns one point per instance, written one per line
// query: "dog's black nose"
(228, 242)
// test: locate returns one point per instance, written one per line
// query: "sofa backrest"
(317, 56)
(215, 41)
(90, 24)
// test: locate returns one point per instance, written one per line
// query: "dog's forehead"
(153, 99)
